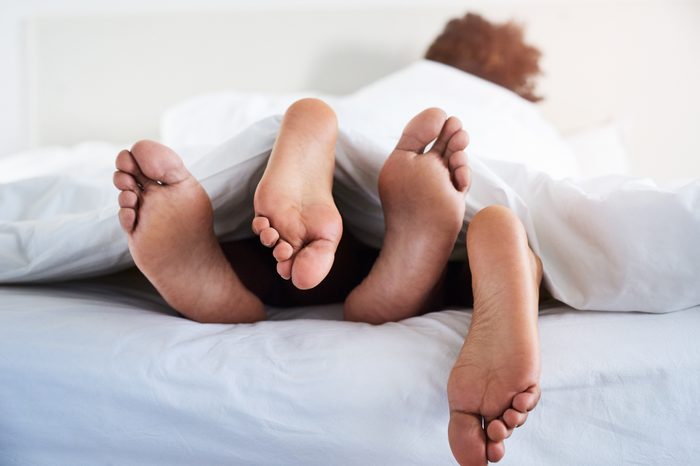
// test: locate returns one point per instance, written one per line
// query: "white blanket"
(608, 243)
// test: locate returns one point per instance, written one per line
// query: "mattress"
(103, 372)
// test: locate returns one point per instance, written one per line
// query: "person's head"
(495, 52)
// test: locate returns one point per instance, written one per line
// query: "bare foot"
(168, 218)
(422, 196)
(294, 207)
(495, 379)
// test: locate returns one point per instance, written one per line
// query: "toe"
(158, 162)
(458, 142)
(269, 237)
(457, 159)
(128, 199)
(312, 263)
(467, 438)
(462, 178)
(514, 418)
(126, 163)
(283, 251)
(527, 400)
(259, 224)
(449, 129)
(497, 431)
(125, 182)
(284, 269)
(421, 130)
(495, 451)
(127, 219)
(460, 171)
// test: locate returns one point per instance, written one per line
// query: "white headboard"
(110, 77)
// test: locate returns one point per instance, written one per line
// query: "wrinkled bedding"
(607, 243)
(102, 371)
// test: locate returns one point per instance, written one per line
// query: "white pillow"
(501, 124)
(600, 151)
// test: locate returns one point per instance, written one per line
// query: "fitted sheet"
(103, 372)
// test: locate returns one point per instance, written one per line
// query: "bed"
(102, 373)
(99, 370)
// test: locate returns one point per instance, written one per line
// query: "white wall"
(14, 118)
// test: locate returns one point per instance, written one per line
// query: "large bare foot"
(495, 380)
(422, 196)
(294, 209)
(168, 217)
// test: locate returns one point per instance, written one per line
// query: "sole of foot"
(295, 213)
(168, 218)
(495, 381)
(422, 195)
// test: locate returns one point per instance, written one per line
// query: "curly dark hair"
(495, 52)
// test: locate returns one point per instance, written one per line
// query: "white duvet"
(610, 243)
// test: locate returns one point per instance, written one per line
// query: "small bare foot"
(168, 217)
(294, 209)
(495, 380)
(422, 196)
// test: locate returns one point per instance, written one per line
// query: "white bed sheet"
(94, 373)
